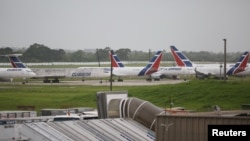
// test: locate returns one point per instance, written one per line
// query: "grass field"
(199, 95)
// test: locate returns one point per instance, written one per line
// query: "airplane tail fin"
(240, 65)
(115, 60)
(15, 61)
(153, 64)
(180, 58)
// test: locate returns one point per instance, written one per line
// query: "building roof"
(124, 129)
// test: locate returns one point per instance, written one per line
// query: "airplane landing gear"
(120, 79)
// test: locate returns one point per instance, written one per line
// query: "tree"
(123, 53)
(5, 51)
(41, 53)
(103, 54)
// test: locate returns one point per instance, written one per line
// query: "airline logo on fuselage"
(14, 69)
(174, 68)
(82, 74)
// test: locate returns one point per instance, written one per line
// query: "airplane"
(184, 68)
(17, 72)
(53, 74)
(87, 72)
(183, 61)
(162, 72)
(46, 74)
(218, 72)
(211, 69)
(120, 70)
(175, 72)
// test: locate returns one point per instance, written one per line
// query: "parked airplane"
(16, 72)
(54, 74)
(218, 72)
(175, 72)
(87, 72)
(183, 61)
(169, 72)
(184, 68)
(46, 74)
(120, 70)
(211, 70)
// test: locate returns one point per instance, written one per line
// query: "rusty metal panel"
(191, 127)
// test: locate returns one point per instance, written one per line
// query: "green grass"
(199, 95)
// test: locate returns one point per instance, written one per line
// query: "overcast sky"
(190, 25)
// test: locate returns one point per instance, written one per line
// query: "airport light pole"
(111, 72)
(220, 71)
(149, 53)
(225, 57)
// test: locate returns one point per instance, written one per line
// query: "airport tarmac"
(138, 82)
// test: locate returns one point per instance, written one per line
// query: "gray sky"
(190, 25)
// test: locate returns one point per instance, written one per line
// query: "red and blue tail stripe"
(180, 58)
(16, 62)
(115, 60)
(240, 65)
(153, 65)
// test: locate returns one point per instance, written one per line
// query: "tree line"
(41, 53)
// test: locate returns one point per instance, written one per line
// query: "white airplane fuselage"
(246, 72)
(215, 71)
(90, 72)
(129, 71)
(16, 73)
(219, 70)
(105, 71)
(168, 71)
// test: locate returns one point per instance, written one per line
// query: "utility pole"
(225, 58)
(111, 73)
(149, 54)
